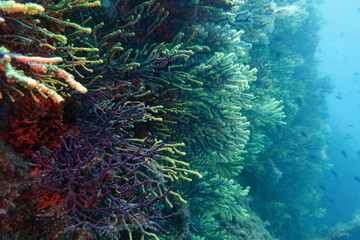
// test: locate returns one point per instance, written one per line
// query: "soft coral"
(37, 124)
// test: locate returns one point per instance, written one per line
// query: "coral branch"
(27, 8)
(38, 65)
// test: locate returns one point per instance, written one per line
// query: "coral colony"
(138, 119)
(97, 182)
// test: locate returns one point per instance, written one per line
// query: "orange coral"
(49, 199)
(38, 124)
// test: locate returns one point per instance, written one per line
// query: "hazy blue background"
(339, 53)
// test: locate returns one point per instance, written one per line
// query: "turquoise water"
(338, 52)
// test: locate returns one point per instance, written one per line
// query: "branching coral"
(29, 45)
(38, 65)
(214, 202)
(297, 149)
(100, 190)
(217, 88)
(263, 22)
(220, 124)
(223, 38)
(270, 112)
(257, 144)
(105, 177)
(20, 216)
(158, 101)
(9, 7)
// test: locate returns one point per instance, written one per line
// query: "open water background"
(339, 53)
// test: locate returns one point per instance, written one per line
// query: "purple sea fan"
(102, 177)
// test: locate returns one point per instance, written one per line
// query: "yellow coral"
(27, 8)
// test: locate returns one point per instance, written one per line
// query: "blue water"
(339, 52)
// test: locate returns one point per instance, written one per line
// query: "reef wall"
(160, 119)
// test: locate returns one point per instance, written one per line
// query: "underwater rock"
(346, 231)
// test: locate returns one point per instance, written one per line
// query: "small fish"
(357, 178)
(339, 97)
(356, 74)
(330, 199)
(323, 188)
(350, 125)
(358, 153)
(303, 134)
(334, 173)
(343, 152)
(348, 136)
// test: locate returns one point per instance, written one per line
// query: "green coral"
(282, 170)
(221, 127)
(213, 203)
(269, 112)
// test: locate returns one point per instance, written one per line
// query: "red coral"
(23, 214)
(38, 124)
